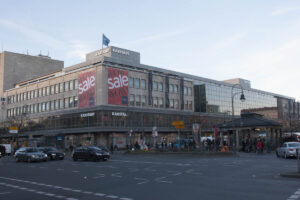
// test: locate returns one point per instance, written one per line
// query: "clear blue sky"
(255, 40)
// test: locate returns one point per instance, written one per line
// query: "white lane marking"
(174, 173)
(112, 196)
(2, 193)
(191, 171)
(125, 198)
(99, 194)
(295, 195)
(142, 180)
(118, 175)
(159, 179)
(37, 192)
(57, 187)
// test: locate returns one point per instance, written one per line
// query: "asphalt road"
(150, 177)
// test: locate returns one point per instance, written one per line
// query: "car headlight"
(53, 154)
(33, 156)
(45, 155)
(99, 154)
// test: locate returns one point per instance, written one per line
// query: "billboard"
(117, 82)
(86, 89)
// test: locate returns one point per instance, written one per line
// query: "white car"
(288, 149)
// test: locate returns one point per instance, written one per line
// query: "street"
(149, 177)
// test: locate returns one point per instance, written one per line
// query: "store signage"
(117, 82)
(121, 114)
(98, 53)
(86, 89)
(13, 129)
(120, 51)
(87, 114)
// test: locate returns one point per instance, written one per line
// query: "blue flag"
(105, 40)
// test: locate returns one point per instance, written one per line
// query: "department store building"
(112, 98)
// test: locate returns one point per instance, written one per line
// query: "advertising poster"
(117, 81)
(86, 89)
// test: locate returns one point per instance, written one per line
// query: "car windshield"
(51, 149)
(32, 150)
(294, 144)
(94, 148)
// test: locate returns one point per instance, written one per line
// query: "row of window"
(137, 100)
(44, 106)
(46, 91)
(137, 83)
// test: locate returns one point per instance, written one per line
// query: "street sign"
(179, 127)
(177, 123)
(13, 129)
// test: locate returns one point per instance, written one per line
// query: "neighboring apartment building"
(112, 98)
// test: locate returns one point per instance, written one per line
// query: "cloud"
(282, 11)
(32, 33)
(228, 41)
(77, 49)
(155, 37)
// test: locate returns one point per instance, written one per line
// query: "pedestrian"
(2, 150)
(259, 146)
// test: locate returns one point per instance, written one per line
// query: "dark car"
(30, 154)
(89, 153)
(52, 153)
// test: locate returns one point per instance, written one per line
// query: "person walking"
(259, 146)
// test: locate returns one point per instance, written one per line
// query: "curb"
(290, 175)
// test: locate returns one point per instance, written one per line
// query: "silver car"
(288, 149)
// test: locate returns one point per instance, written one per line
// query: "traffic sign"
(177, 123)
(179, 127)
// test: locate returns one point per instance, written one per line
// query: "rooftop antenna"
(40, 52)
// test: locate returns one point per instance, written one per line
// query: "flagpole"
(102, 45)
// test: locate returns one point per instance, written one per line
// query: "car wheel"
(285, 156)
(277, 154)
(17, 159)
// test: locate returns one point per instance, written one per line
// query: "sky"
(257, 40)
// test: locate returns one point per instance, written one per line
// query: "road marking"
(117, 175)
(56, 187)
(159, 179)
(296, 195)
(174, 173)
(126, 198)
(2, 193)
(143, 180)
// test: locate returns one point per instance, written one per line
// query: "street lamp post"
(242, 98)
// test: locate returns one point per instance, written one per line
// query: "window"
(160, 87)
(21, 96)
(34, 108)
(186, 105)
(36, 93)
(161, 102)
(40, 92)
(155, 101)
(61, 87)
(52, 89)
(28, 95)
(138, 100)
(171, 88)
(131, 82)
(43, 107)
(47, 107)
(32, 94)
(75, 84)
(47, 91)
(56, 104)
(155, 87)
(137, 83)
(71, 102)
(143, 100)
(75, 101)
(131, 100)
(66, 86)
(71, 85)
(176, 89)
(185, 90)
(171, 103)
(56, 88)
(61, 103)
(143, 84)
(66, 102)
(176, 104)
(190, 105)
(44, 92)
(190, 91)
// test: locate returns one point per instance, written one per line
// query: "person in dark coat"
(2, 150)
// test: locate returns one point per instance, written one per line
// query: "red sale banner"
(117, 81)
(86, 89)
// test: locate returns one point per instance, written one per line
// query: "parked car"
(30, 154)
(52, 153)
(288, 149)
(90, 153)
